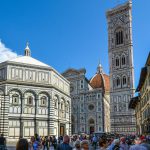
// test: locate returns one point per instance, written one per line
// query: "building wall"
(121, 68)
(144, 110)
(88, 105)
(32, 101)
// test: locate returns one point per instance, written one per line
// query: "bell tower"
(121, 67)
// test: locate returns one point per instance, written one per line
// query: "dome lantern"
(27, 50)
(99, 68)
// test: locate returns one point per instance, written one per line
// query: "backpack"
(35, 145)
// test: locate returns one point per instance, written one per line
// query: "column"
(70, 118)
(21, 128)
(21, 116)
(36, 113)
(58, 118)
(51, 119)
(5, 111)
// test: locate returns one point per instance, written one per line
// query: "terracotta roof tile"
(100, 80)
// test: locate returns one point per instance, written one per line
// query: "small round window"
(91, 107)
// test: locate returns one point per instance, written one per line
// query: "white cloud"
(6, 53)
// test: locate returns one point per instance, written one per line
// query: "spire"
(99, 68)
(27, 50)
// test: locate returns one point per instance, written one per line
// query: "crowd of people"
(81, 142)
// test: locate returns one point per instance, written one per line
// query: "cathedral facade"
(90, 101)
(34, 98)
(121, 68)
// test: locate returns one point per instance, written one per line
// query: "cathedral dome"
(100, 80)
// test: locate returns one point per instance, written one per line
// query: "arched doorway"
(91, 126)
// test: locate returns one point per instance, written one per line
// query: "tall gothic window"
(123, 60)
(117, 62)
(119, 37)
(124, 80)
(118, 82)
(115, 108)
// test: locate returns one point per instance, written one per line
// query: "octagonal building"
(34, 98)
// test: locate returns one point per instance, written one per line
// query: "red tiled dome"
(100, 80)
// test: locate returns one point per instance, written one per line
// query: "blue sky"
(70, 33)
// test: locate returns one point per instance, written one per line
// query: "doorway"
(62, 130)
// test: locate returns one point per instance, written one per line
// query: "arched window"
(67, 107)
(15, 99)
(62, 106)
(118, 82)
(55, 104)
(117, 62)
(123, 60)
(124, 80)
(120, 108)
(43, 101)
(119, 37)
(30, 100)
(115, 108)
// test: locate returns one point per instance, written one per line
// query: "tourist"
(84, 145)
(137, 145)
(94, 141)
(123, 144)
(116, 144)
(77, 145)
(103, 144)
(54, 142)
(22, 144)
(2, 142)
(45, 143)
(35, 144)
(65, 145)
(111, 144)
(145, 143)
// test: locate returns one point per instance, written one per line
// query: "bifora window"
(119, 37)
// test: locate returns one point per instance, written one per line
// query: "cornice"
(33, 85)
(119, 9)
